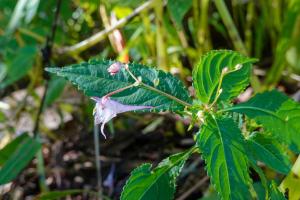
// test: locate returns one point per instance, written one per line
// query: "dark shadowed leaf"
(178, 8)
(92, 77)
(19, 159)
(19, 65)
(11, 147)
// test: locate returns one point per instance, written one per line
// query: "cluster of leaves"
(229, 145)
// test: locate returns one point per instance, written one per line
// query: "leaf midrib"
(221, 139)
(252, 108)
(167, 169)
(64, 74)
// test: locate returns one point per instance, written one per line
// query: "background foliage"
(172, 35)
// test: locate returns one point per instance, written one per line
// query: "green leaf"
(275, 193)
(268, 150)
(19, 159)
(53, 195)
(158, 183)
(92, 77)
(222, 146)
(55, 88)
(177, 10)
(277, 113)
(9, 149)
(260, 190)
(207, 75)
(19, 65)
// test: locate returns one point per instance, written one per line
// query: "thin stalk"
(203, 33)
(31, 34)
(97, 161)
(107, 25)
(41, 171)
(140, 83)
(232, 30)
(165, 94)
(283, 44)
(46, 52)
(120, 90)
(196, 21)
(96, 38)
(218, 92)
(149, 35)
(276, 8)
(160, 35)
(194, 188)
(249, 23)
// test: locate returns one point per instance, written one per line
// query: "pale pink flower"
(114, 68)
(106, 109)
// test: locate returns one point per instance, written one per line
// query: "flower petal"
(102, 130)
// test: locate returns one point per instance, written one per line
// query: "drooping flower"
(106, 109)
(114, 68)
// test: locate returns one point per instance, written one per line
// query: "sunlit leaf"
(223, 149)
(279, 114)
(291, 184)
(207, 75)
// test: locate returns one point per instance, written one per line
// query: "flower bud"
(114, 68)
(238, 66)
(224, 70)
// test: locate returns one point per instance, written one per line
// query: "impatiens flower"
(114, 68)
(106, 109)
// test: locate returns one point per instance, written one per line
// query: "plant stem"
(165, 94)
(283, 44)
(232, 30)
(41, 171)
(97, 161)
(248, 26)
(107, 25)
(218, 89)
(203, 33)
(46, 52)
(119, 90)
(34, 35)
(140, 83)
(96, 38)
(160, 35)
